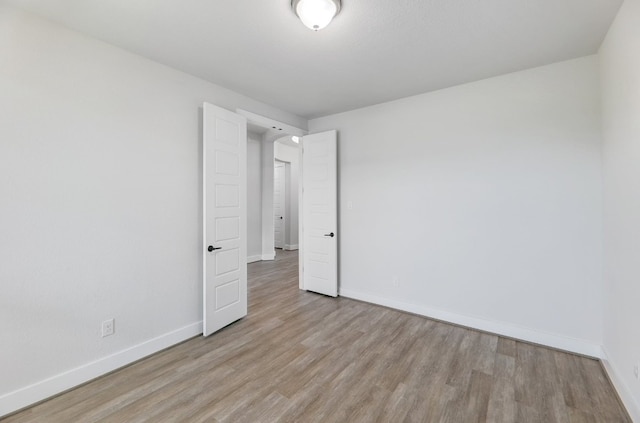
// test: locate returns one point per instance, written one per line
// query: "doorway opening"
(273, 160)
(311, 227)
(238, 198)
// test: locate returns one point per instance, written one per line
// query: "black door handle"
(280, 217)
(211, 248)
(331, 234)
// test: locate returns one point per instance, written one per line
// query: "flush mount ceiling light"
(316, 14)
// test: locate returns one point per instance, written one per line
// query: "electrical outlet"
(108, 327)
(395, 281)
(635, 371)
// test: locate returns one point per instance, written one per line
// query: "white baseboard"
(291, 247)
(630, 403)
(23, 397)
(269, 256)
(510, 330)
(253, 259)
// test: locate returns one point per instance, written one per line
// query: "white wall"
(290, 155)
(100, 205)
(620, 64)
(483, 200)
(254, 197)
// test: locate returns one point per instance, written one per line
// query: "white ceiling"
(374, 51)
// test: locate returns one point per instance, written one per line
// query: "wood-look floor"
(303, 357)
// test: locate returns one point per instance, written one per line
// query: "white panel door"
(279, 204)
(319, 261)
(225, 217)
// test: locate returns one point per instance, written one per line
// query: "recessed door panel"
(226, 131)
(227, 261)
(227, 163)
(227, 195)
(227, 294)
(227, 228)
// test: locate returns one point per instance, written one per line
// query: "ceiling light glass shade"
(316, 14)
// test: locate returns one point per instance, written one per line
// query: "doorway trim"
(278, 127)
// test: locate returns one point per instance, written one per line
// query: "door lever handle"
(331, 234)
(211, 248)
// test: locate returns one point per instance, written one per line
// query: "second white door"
(279, 204)
(319, 219)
